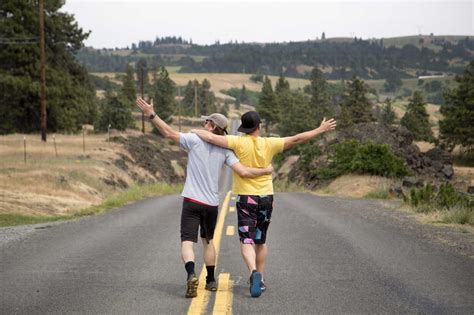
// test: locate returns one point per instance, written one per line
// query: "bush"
(426, 200)
(353, 157)
(368, 158)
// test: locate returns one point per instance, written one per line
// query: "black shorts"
(194, 215)
(254, 214)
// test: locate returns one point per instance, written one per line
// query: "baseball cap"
(250, 121)
(218, 119)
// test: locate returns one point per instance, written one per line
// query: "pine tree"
(416, 119)
(356, 104)
(70, 96)
(243, 95)
(206, 98)
(298, 115)
(114, 111)
(457, 126)
(128, 87)
(387, 116)
(282, 85)
(188, 98)
(266, 106)
(164, 102)
(320, 98)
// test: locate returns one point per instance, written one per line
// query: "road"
(327, 255)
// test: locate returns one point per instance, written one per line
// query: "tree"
(114, 111)
(164, 102)
(70, 95)
(299, 114)
(387, 116)
(128, 87)
(320, 98)
(266, 106)
(323, 36)
(416, 119)
(457, 126)
(243, 95)
(207, 98)
(356, 104)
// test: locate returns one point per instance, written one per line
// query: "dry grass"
(50, 185)
(356, 186)
(219, 81)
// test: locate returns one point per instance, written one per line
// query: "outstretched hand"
(146, 108)
(327, 125)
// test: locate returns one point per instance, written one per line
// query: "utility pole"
(42, 73)
(141, 90)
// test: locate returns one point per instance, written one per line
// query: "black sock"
(210, 274)
(189, 268)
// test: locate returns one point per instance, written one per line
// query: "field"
(76, 178)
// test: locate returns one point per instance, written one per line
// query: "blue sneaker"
(255, 280)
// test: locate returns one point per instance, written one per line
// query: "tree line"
(368, 59)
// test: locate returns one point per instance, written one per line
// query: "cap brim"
(246, 130)
(205, 117)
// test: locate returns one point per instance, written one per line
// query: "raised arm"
(245, 171)
(210, 137)
(326, 125)
(163, 127)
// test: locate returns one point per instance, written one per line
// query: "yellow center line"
(230, 230)
(199, 304)
(223, 303)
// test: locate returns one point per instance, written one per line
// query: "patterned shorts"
(254, 214)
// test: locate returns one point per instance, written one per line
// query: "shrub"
(350, 156)
(426, 200)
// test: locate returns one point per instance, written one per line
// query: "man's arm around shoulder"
(210, 137)
(326, 125)
(251, 172)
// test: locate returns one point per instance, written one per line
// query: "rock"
(448, 171)
(409, 181)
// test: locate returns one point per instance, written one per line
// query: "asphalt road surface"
(326, 256)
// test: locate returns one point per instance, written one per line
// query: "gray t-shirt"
(205, 162)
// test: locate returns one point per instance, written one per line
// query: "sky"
(121, 23)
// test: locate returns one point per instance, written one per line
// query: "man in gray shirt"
(201, 201)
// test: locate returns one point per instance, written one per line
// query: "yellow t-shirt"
(254, 152)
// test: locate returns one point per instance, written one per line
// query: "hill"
(340, 58)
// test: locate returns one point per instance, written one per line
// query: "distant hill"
(339, 58)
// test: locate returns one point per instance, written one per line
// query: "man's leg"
(209, 252)
(189, 231)
(187, 251)
(261, 252)
(249, 256)
(208, 225)
(210, 261)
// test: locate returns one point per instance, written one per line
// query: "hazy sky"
(121, 23)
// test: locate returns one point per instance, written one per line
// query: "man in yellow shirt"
(255, 195)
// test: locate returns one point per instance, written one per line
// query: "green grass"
(133, 194)
(285, 186)
(378, 194)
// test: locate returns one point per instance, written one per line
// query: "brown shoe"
(211, 286)
(191, 286)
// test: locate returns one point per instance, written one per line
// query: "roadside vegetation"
(135, 193)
